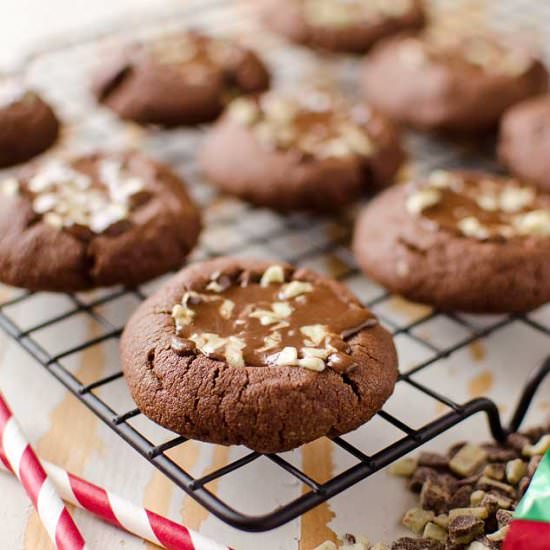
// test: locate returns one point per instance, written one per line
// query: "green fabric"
(535, 505)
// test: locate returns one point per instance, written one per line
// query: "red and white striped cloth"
(123, 514)
(23, 462)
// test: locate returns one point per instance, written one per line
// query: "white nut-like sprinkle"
(472, 227)
(182, 315)
(67, 193)
(112, 214)
(120, 184)
(208, 342)
(422, 199)
(43, 203)
(271, 341)
(265, 317)
(226, 309)
(193, 297)
(293, 289)
(285, 135)
(127, 188)
(76, 217)
(334, 148)
(278, 110)
(55, 220)
(233, 352)
(357, 139)
(273, 274)
(287, 357)
(244, 111)
(320, 353)
(316, 333)
(280, 325)
(234, 357)
(214, 286)
(312, 363)
(279, 311)
(53, 173)
(488, 202)
(441, 179)
(536, 222)
(514, 199)
(282, 309)
(10, 187)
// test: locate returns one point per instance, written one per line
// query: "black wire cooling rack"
(240, 229)
(318, 492)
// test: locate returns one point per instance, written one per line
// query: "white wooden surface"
(64, 432)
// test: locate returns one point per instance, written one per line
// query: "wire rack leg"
(528, 394)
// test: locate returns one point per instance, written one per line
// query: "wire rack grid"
(236, 228)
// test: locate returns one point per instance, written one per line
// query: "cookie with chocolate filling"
(178, 79)
(352, 26)
(307, 151)
(256, 353)
(28, 125)
(460, 241)
(524, 141)
(450, 84)
(97, 220)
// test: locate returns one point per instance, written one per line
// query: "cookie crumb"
(416, 519)
(435, 532)
(465, 528)
(468, 460)
(515, 470)
(404, 467)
